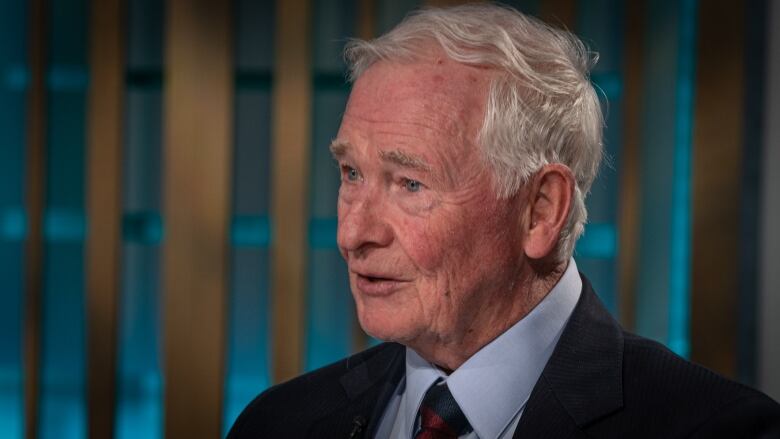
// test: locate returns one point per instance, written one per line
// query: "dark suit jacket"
(600, 382)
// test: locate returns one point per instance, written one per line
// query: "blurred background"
(167, 198)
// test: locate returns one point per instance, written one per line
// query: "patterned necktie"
(440, 417)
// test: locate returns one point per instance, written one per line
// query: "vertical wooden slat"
(36, 178)
(366, 19)
(198, 156)
(717, 159)
(104, 133)
(628, 216)
(291, 138)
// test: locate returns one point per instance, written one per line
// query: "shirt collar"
(420, 375)
(494, 384)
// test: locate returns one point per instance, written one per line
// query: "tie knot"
(440, 416)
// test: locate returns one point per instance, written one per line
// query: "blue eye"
(412, 185)
(351, 173)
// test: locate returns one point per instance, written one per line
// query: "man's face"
(430, 248)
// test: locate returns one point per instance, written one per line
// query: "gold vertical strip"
(291, 138)
(104, 137)
(366, 19)
(559, 13)
(366, 29)
(36, 196)
(629, 193)
(198, 98)
(716, 174)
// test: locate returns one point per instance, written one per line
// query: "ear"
(549, 202)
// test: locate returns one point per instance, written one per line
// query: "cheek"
(479, 239)
(346, 194)
(496, 241)
(440, 250)
(422, 244)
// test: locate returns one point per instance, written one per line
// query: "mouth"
(378, 285)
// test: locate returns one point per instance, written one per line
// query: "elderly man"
(470, 140)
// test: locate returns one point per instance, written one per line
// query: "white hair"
(541, 107)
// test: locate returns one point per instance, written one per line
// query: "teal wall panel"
(600, 24)
(62, 399)
(248, 348)
(248, 352)
(663, 294)
(248, 359)
(530, 7)
(391, 12)
(13, 82)
(62, 410)
(140, 384)
(330, 308)
(680, 258)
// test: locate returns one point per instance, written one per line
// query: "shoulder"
(617, 384)
(669, 392)
(650, 368)
(287, 409)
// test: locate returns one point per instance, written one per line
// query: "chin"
(385, 325)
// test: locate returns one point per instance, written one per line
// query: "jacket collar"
(369, 381)
(582, 381)
(386, 366)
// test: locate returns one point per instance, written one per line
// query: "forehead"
(435, 102)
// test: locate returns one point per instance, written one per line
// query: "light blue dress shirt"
(493, 386)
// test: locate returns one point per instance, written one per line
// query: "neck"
(490, 319)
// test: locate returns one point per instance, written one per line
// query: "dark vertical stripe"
(446, 3)
(680, 234)
(769, 275)
(717, 158)
(106, 97)
(36, 166)
(663, 277)
(754, 58)
(197, 158)
(559, 13)
(629, 214)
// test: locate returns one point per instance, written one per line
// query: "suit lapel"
(582, 381)
(545, 417)
(368, 386)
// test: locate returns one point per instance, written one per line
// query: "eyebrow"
(340, 148)
(405, 160)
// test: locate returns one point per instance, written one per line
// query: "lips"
(378, 284)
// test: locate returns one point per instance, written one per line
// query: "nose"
(362, 225)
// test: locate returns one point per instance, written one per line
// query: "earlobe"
(539, 241)
(549, 203)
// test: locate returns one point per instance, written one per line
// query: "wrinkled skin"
(436, 261)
